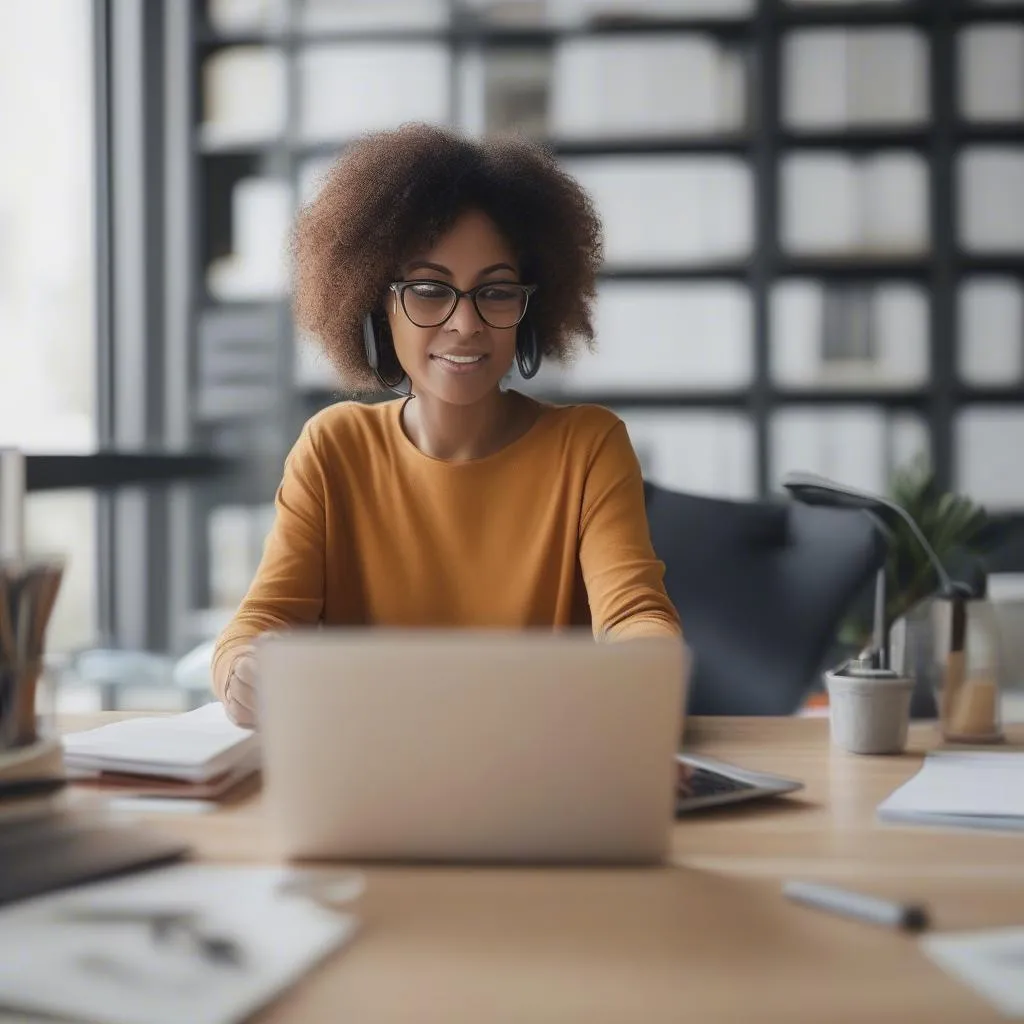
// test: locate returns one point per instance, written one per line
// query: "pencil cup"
(28, 590)
(869, 713)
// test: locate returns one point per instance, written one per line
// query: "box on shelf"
(245, 96)
(669, 209)
(347, 89)
(990, 330)
(701, 452)
(857, 444)
(660, 336)
(991, 72)
(648, 86)
(825, 335)
(835, 204)
(990, 199)
(835, 78)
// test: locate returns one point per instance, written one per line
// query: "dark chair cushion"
(761, 588)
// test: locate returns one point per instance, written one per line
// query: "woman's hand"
(240, 692)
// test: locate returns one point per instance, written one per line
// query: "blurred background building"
(814, 215)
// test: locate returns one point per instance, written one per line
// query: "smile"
(460, 363)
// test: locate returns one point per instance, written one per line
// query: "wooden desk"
(706, 938)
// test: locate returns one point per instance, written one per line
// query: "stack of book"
(198, 755)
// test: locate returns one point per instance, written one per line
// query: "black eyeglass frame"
(399, 288)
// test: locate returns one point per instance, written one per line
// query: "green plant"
(953, 524)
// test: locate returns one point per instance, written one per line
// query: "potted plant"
(961, 534)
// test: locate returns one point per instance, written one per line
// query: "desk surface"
(707, 938)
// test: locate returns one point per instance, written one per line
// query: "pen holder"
(969, 699)
(869, 709)
(28, 591)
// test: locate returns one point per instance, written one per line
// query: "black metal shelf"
(825, 395)
(475, 32)
(851, 140)
(647, 146)
(969, 13)
(640, 146)
(911, 12)
(857, 140)
(855, 268)
(1002, 263)
(103, 471)
(1009, 394)
(681, 272)
(692, 398)
(989, 132)
(486, 35)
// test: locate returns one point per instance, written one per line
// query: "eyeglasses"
(500, 304)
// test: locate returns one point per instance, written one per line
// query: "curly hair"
(393, 194)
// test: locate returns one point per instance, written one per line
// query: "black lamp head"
(812, 489)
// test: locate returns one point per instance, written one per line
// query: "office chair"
(761, 588)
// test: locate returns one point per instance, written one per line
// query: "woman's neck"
(457, 433)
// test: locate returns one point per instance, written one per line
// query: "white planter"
(869, 714)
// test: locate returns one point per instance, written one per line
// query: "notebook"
(196, 747)
(971, 789)
(203, 944)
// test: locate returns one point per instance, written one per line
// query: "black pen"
(910, 917)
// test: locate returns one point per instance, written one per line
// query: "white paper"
(118, 974)
(195, 746)
(990, 962)
(969, 786)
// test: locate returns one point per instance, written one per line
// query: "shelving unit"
(275, 407)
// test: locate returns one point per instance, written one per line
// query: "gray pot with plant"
(959, 533)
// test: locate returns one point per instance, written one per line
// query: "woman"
(430, 264)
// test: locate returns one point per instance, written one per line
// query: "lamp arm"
(944, 578)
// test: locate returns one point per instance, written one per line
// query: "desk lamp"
(812, 489)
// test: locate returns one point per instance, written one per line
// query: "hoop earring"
(374, 351)
(528, 356)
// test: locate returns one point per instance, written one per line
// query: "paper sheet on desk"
(990, 962)
(114, 973)
(977, 789)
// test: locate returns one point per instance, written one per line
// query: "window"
(47, 286)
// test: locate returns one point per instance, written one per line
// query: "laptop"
(472, 746)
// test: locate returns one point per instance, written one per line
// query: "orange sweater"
(549, 531)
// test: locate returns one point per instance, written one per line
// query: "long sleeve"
(288, 588)
(622, 574)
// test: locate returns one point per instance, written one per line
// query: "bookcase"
(814, 216)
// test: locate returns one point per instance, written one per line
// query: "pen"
(871, 909)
